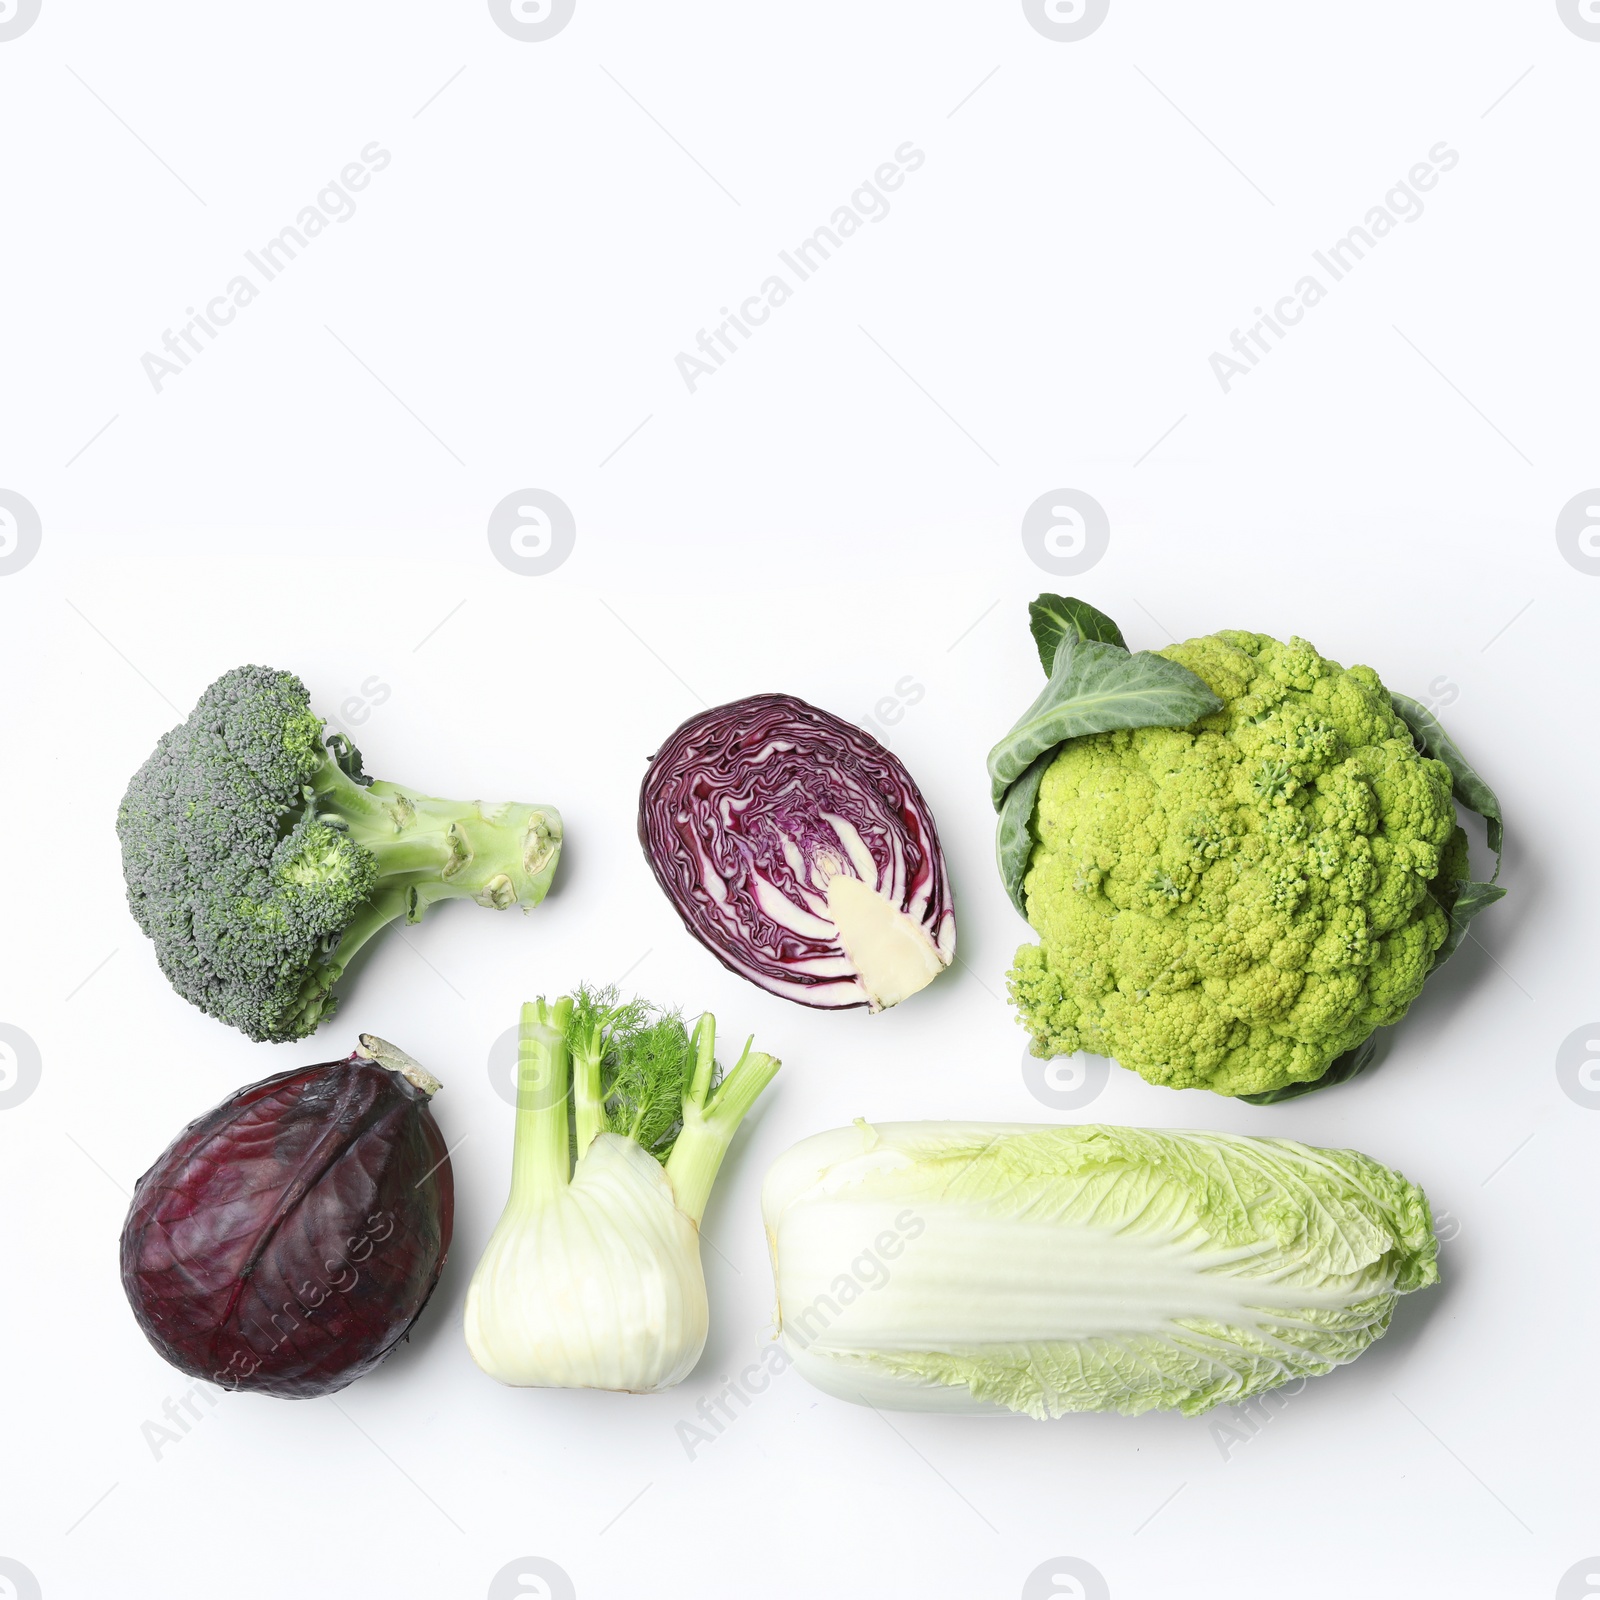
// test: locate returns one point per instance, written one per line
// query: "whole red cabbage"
(285, 1241)
(751, 811)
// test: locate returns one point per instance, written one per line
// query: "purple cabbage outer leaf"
(800, 853)
(286, 1241)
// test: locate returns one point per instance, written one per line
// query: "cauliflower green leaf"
(1094, 687)
(1472, 792)
(1052, 616)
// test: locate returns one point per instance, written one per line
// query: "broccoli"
(1234, 903)
(259, 858)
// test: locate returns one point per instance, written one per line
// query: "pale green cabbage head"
(966, 1266)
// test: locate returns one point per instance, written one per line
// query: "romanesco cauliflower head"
(1233, 905)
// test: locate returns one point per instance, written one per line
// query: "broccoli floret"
(1233, 905)
(259, 858)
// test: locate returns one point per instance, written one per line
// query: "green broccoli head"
(259, 858)
(1233, 905)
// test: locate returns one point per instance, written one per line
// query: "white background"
(835, 511)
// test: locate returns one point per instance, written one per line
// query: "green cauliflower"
(1233, 905)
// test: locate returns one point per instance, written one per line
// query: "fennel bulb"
(592, 1277)
(949, 1266)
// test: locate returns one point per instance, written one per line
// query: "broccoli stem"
(539, 1156)
(708, 1129)
(498, 855)
(426, 850)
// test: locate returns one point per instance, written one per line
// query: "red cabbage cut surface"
(800, 853)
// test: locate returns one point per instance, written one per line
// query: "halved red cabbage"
(800, 853)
